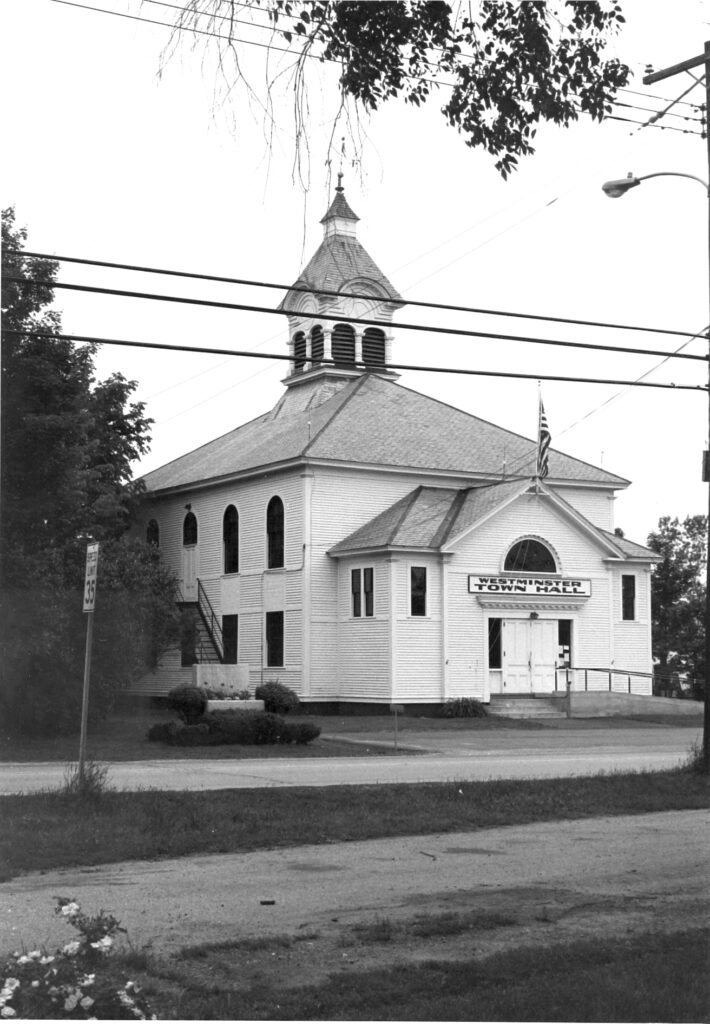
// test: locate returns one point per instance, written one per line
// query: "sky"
(115, 151)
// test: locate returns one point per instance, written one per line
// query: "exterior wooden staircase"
(544, 705)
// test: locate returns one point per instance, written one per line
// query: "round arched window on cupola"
(300, 352)
(317, 346)
(373, 347)
(530, 555)
(344, 345)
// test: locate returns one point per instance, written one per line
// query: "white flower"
(72, 948)
(70, 909)
(47, 960)
(88, 979)
(7, 1011)
(86, 1002)
(9, 985)
(23, 959)
(70, 1003)
(35, 984)
(103, 945)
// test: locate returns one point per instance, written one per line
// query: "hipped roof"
(371, 421)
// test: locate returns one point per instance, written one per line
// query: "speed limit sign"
(92, 564)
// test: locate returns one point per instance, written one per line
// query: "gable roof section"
(631, 549)
(371, 421)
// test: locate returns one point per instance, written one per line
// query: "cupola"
(340, 283)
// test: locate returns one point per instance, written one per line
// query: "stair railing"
(210, 620)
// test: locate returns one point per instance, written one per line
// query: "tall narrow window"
(628, 597)
(275, 533)
(564, 643)
(230, 537)
(152, 534)
(495, 647)
(373, 347)
(299, 352)
(275, 639)
(230, 635)
(317, 348)
(529, 556)
(343, 340)
(362, 587)
(417, 590)
(189, 530)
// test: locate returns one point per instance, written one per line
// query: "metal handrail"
(210, 620)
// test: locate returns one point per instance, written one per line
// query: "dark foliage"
(277, 698)
(188, 702)
(247, 728)
(463, 707)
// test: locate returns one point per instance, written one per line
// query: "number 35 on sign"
(92, 564)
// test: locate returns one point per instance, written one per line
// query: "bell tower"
(340, 280)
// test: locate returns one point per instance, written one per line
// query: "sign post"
(396, 709)
(92, 563)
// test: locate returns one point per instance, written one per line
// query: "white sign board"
(529, 586)
(92, 565)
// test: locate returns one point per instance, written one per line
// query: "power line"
(458, 331)
(345, 295)
(204, 350)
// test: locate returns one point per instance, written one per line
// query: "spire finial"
(339, 186)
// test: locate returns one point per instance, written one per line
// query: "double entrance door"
(529, 655)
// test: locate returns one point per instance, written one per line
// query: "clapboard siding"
(597, 505)
(418, 639)
(364, 643)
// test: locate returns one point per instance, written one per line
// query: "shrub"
(245, 727)
(73, 981)
(188, 702)
(463, 707)
(192, 735)
(277, 698)
(299, 732)
(163, 732)
(92, 782)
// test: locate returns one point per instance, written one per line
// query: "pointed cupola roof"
(340, 263)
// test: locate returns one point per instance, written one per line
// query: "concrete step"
(503, 706)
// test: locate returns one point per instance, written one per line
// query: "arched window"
(344, 345)
(530, 556)
(373, 347)
(152, 533)
(275, 533)
(317, 349)
(189, 530)
(230, 536)
(299, 352)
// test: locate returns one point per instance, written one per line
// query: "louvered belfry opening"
(300, 352)
(344, 345)
(317, 346)
(373, 347)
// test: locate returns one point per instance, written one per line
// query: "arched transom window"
(275, 533)
(189, 530)
(530, 555)
(230, 536)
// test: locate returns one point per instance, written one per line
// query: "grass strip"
(52, 830)
(648, 977)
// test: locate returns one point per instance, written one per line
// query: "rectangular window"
(417, 590)
(275, 639)
(230, 636)
(495, 648)
(628, 597)
(362, 590)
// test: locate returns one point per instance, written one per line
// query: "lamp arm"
(674, 174)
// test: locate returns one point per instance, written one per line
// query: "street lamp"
(615, 189)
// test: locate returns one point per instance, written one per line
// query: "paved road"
(647, 871)
(443, 756)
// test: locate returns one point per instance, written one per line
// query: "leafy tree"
(505, 66)
(68, 442)
(678, 594)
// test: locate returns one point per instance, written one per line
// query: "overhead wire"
(336, 318)
(250, 354)
(448, 307)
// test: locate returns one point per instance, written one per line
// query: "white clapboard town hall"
(361, 542)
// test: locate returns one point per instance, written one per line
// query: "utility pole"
(703, 60)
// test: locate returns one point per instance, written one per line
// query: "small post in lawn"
(396, 709)
(92, 563)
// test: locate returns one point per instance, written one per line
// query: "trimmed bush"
(163, 732)
(188, 702)
(277, 698)
(463, 707)
(299, 732)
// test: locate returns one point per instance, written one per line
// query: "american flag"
(543, 443)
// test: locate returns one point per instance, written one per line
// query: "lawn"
(48, 830)
(650, 977)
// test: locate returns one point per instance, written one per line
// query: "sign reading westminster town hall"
(528, 585)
